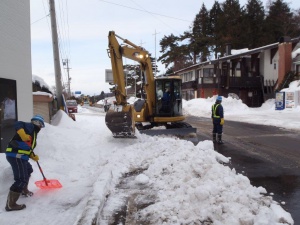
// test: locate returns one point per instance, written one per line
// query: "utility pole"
(56, 55)
(66, 63)
(155, 51)
(142, 43)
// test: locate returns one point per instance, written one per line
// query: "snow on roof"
(239, 51)
(296, 53)
(40, 80)
(42, 93)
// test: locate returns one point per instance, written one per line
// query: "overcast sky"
(83, 29)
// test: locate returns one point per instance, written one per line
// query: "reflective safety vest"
(21, 149)
(214, 109)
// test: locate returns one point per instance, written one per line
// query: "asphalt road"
(267, 155)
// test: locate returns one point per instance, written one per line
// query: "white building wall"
(15, 54)
(269, 70)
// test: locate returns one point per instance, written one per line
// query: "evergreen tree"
(232, 24)
(174, 55)
(296, 23)
(132, 73)
(279, 21)
(254, 24)
(215, 28)
(199, 37)
(102, 95)
(247, 27)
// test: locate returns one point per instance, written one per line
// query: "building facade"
(251, 75)
(15, 66)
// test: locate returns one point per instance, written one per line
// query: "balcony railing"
(235, 82)
(189, 85)
(241, 81)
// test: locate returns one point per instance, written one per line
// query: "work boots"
(220, 139)
(26, 192)
(214, 138)
(11, 203)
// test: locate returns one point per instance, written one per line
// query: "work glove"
(34, 157)
(222, 121)
(25, 137)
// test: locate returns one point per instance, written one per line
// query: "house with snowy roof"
(252, 75)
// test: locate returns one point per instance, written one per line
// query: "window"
(238, 70)
(191, 94)
(8, 111)
(248, 67)
(208, 76)
(199, 74)
(71, 103)
(188, 76)
(188, 95)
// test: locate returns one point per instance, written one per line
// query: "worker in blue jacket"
(166, 100)
(217, 115)
(18, 151)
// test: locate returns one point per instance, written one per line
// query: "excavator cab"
(168, 97)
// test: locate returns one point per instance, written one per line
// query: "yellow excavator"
(162, 102)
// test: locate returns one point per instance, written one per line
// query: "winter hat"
(38, 120)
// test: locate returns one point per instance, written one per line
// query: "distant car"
(72, 106)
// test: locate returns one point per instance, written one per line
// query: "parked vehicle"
(72, 106)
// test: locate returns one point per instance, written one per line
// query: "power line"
(40, 19)
(62, 34)
(152, 14)
(142, 10)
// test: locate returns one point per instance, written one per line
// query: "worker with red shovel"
(19, 150)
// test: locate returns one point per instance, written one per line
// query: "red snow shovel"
(46, 184)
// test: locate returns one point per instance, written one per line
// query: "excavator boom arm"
(135, 53)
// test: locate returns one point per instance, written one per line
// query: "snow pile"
(190, 184)
(202, 106)
(193, 187)
(293, 86)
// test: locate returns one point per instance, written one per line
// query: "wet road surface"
(267, 155)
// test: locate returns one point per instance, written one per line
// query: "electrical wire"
(63, 35)
(154, 15)
(40, 19)
(143, 10)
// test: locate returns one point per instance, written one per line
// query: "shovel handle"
(41, 170)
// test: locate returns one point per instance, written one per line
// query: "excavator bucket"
(120, 124)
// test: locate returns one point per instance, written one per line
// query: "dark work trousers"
(22, 170)
(217, 129)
